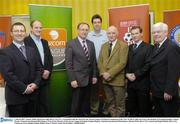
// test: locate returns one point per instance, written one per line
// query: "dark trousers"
(42, 102)
(22, 110)
(138, 103)
(165, 108)
(81, 101)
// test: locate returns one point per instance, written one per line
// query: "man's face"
(18, 33)
(136, 35)
(158, 34)
(112, 34)
(83, 31)
(36, 29)
(97, 24)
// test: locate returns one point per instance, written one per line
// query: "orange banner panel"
(125, 17)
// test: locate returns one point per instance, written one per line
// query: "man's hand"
(131, 76)
(45, 74)
(74, 84)
(106, 76)
(167, 97)
(94, 80)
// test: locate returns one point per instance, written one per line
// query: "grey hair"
(162, 26)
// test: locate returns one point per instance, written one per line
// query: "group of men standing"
(26, 66)
(149, 74)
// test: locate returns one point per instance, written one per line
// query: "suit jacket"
(139, 64)
(115, 63)
(18, 73)
(48, 59)
(165, 69)
(77, 63)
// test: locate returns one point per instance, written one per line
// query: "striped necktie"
(86, 52)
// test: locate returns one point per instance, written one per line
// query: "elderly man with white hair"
(164, 72)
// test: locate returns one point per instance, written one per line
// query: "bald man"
(112, 62)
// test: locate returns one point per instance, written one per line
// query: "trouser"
(94, 99)
(115, 100)
(165, 108)
(138, 103)
(23, 110)
(81, 101)
(42, 102)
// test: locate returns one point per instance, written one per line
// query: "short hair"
(82, 23)
(96, 16)
(137, 27)
(162, 25)
(19, 24)
(114, 28)
(32, 22)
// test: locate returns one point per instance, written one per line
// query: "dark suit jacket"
(139, 64)
(165, 69)
(48, 59)
(18, 73)
(77, 63)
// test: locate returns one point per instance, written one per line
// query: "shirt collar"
(35, 38)
(81, 40)
(18, 45)
(97, 34)
(114, 42)
(160, 44)
(138, 43)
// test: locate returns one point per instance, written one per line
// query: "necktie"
(157, 47)
(110, 48)
(23, 51)
(134, 47)
(86, 52)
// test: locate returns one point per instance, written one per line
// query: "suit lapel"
(18, 52)
(116, 47)
(161, 49)
(138, 48)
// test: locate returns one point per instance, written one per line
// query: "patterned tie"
(110, 48)
(23, 51)
(86, 52)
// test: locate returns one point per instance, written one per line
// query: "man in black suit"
(137, 73)
(81, 69)
(22, 73)
(165, 72)
(45, 58)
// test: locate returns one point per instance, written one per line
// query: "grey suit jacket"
(77, 63)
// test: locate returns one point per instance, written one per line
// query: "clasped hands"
(30, 88)
(131, 76)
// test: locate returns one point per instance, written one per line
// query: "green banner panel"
(57, 29)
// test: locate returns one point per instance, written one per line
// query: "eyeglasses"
(19, 31)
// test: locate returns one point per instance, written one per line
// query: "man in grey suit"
(81, 69)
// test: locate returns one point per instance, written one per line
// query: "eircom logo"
(6, 120)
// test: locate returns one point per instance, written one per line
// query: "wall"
(84, 9)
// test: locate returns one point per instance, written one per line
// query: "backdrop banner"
(126, 17)
(172, 19)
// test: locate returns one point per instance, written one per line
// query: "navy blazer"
(139, 64)
(18, 73)
(165, 69)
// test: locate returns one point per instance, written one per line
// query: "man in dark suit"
(22, 73)
(165, 72)
(137, 73)
(45, 58)
(81, 69)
